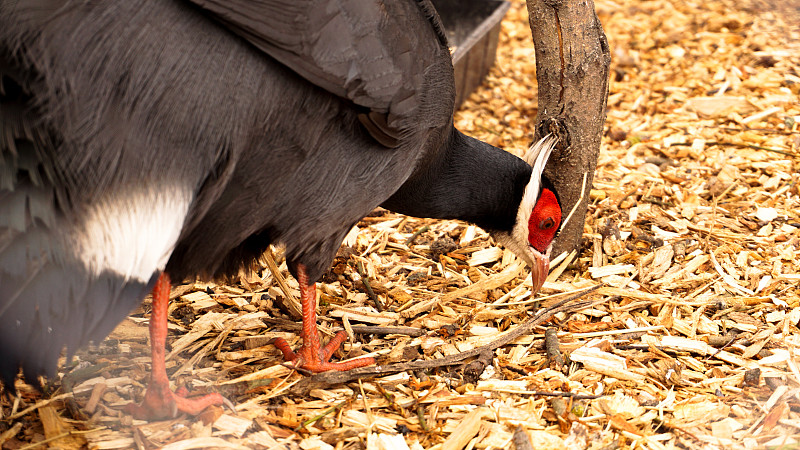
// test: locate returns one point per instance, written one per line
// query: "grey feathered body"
(112, 109)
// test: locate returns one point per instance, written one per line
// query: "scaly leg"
(159, 401)
(311, 355)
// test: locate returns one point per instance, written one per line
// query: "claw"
(312, 357)
(227, 404)
(159, 401)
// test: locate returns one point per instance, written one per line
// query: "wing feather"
(372, 52)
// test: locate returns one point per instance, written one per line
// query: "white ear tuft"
(539, 153)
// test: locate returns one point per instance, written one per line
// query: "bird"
(146, 141)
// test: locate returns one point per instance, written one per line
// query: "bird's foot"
(161, 403)
(312, 358)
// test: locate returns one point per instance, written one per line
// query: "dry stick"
(421, 417)
(407, 331)
(330, 378)
(570, 395)
(10, 433)
(580, 200)
(38, 405)
(269, 258)
(475, 368)
(322, 414)
(551, 347)
(764, 130)
(734, 144)
(414, 236)
(719, 350)
(365, 279)
(358, 329)
(627, 194)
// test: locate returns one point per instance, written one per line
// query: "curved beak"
(539, 270)
(537, 261)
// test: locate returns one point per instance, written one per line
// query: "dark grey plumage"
(197, 110)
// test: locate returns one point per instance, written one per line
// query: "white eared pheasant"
(143, 141)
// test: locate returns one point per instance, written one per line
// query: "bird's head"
(538, 216)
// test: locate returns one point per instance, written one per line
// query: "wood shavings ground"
(693, 232)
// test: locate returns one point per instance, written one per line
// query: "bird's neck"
(468, 180)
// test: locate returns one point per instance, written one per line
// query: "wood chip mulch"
(681, 325)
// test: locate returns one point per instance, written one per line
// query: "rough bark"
(572, 67)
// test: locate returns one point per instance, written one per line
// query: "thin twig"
(365, 279)
(421, 416)
(764, 130)
(62, 435)
(627, 194)
(38, 405)
(570, 395)
(358, 329)
(416, 234)
(330, 378)
(407, 331)
(577, 202)
(322, 414)
(10, 433)
(719, 350)
(734, 144)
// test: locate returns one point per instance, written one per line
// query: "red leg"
(311, 355)
(159, 401)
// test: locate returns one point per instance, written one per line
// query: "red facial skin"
(544, 221)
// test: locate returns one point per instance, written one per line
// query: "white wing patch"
(132, 232)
